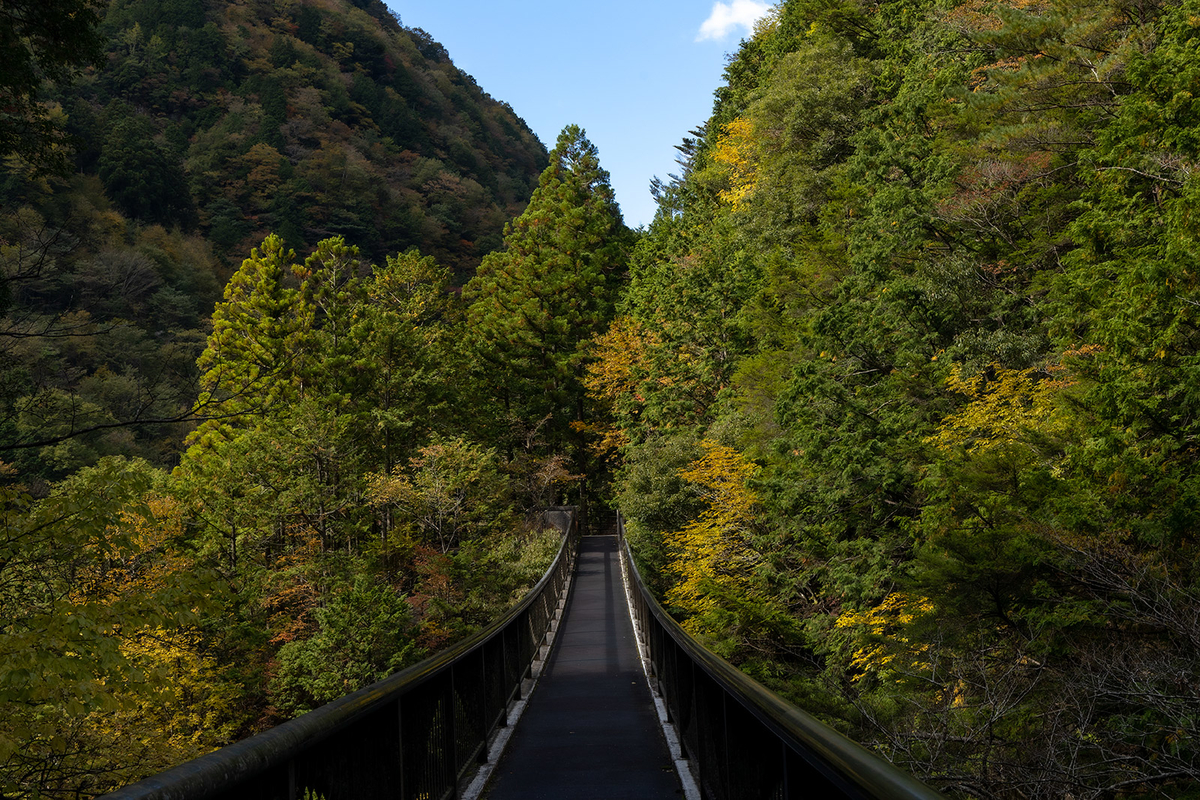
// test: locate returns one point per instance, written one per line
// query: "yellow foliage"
(621, 361)
(710, 555)
(185, 706)
(884, 620)
(182, 706)
(1003, 409)
(621, 358)
(604, 442)
(723, 472)
(736, 149)
(146, 564)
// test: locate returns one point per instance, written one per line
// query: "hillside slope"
(210, 126)
(905, 381)
(309, 119)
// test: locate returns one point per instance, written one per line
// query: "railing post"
(452, 725)
(787, 770)
(509, 668)
(485, 712)
(399, 749)
(726, 769)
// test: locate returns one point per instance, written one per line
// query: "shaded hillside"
(307, 119)
(209, 126)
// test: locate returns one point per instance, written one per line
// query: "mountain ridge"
(309, 119)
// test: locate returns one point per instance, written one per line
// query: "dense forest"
(197, 130)
(220, 509)
(895, 392)
(903, 385)
(241, 119)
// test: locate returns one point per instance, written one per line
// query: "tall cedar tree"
(553, 286)
(251, 361)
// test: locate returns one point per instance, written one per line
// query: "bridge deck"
(590, 730)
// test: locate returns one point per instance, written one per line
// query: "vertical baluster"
(403, 786)
(451, 741)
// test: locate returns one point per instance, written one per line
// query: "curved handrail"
(809, 751)
(398, 737)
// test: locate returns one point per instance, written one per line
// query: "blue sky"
(637, 76)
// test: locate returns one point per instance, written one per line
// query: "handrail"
(415, 734)
(742, 739)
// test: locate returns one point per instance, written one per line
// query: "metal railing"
(414, 735)
(743, 741)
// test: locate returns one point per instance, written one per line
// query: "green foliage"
(456, 492)
(1132, 272)
(338, 377)
(364, 634)
(43, 40)
(687, 288)
(322, 484)
(655, 493)
(99, 344)
(535, 303)
(253, 352)
(951, 246)
(77, 587)
(141, 177)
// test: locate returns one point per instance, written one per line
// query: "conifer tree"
(250, 361)
(550, 289)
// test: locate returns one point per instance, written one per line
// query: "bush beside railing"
(743, 741)
(414, 735)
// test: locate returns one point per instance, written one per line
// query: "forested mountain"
(904, 385)
(203, 128)
(221, 509)
(304, 119)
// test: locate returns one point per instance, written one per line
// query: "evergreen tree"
(411, 328)
(141, 177)
(550, 289)
(251, 358)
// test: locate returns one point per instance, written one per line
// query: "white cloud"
(726, 17)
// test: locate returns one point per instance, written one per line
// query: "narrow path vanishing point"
(590, 731)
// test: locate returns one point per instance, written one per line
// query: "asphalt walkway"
(590, 731)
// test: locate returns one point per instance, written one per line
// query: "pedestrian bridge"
(586, 690)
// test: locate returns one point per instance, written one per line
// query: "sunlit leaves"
(252, 356)
(535, 304)
(1007, 406)
(710, 557)
(452, 490)
(877, 629)
(735, 149)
